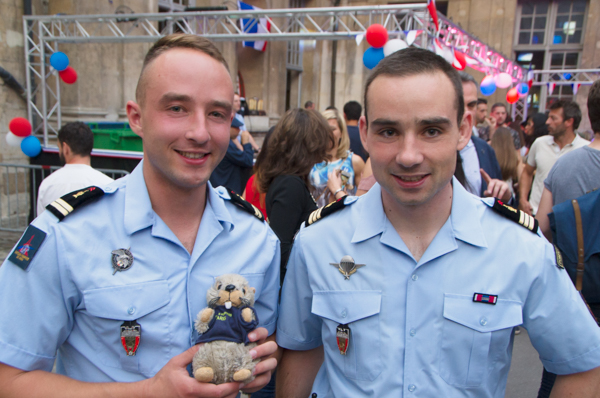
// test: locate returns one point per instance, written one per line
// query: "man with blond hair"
(111, 290)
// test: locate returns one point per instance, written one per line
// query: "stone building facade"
(108, 72)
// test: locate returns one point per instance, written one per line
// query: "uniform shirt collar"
(464, 217)
(138, 208)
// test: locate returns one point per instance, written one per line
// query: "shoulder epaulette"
(518, 216)
(65, 205)
(327, 210)
(245, 205)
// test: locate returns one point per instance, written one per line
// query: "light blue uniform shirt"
(415, 329)
(69, 300)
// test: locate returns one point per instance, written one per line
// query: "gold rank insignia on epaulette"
(518, 216)
(245, 205)
(66, 204)
(325, 211)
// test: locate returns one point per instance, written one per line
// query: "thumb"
(485, 176)
(185, 358)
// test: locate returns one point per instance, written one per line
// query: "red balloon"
(68, 75)
(377, 35)
(20, 127)
(512, 96)
(460, 62)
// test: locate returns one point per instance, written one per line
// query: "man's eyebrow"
(434, 121)
(222, 104)
(172, 97)
(385, 122)
(472, 103)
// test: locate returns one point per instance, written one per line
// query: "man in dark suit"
(481, 168)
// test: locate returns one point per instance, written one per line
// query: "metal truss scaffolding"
(43, 34)
(562, 77)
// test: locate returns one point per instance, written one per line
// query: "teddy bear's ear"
(253, 290)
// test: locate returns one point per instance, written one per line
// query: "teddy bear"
(223, 327)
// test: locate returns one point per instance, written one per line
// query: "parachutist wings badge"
(347, 266)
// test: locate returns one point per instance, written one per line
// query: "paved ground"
(525, 371)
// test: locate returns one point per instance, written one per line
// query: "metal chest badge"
(342, 336)
(347, 266)
(122, 260)
(131, 331)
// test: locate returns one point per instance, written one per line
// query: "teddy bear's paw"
(247, 315)
(242, 375)
(204, 375)
(206, 315)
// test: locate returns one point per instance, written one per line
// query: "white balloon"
(411, 36)
(503, 80)
(448, 55)
(13, 140)
(393, 45)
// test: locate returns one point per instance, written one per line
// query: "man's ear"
(362, 128)
(569, 122)
(253, 290)
(465, 130)
(134, 114)
(66, 151)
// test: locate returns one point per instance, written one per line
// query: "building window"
(549, 36)
(533, 23)
(569, 22)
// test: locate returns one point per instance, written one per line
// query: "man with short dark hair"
(563, 120)
(414, 288)
(75, 144)
(479, 163)
(309, 105)
(352, 112)
(500, 119)
(575, 173)
(108, 282)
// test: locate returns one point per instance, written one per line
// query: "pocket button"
(131, 310)
(412, 388)
(483, 321)
(344, 313)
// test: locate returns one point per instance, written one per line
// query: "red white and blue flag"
(485, 298)
(433, 12)
(253, 26)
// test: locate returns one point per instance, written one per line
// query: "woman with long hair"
(509, 161)
(535, 127)
(343, 162)
(300, 139)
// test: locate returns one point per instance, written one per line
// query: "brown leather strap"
(580, 249)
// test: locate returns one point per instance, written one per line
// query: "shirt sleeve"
(298, 328)
(559, 324)
(266, 306)
(36, 307)
(243, 158)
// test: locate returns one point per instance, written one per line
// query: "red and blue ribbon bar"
(485, 298)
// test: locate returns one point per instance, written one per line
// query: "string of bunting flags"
(381, 46)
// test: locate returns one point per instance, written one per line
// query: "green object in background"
(115, 135)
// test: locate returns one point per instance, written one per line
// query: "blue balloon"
(372, 56)
(31, 146)
(59, 61)
(487, 89)
(522, 88)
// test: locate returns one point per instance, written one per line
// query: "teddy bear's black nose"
(230, 288)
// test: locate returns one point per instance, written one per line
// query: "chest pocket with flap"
(360, 311)
(107, 308)
(472, 332)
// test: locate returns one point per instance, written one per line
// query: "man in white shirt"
(75, 143)
(563, 120)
